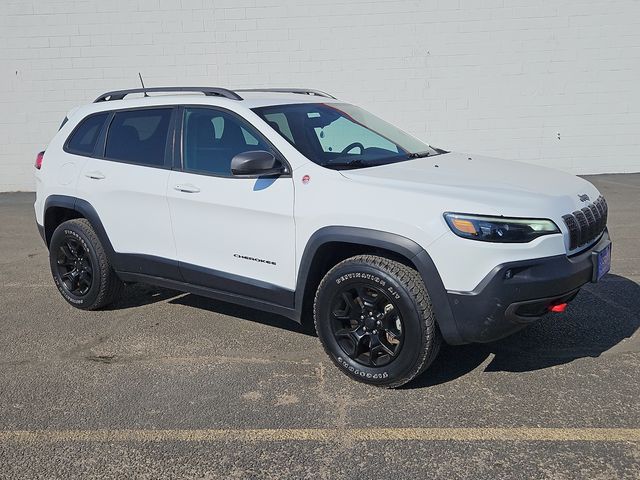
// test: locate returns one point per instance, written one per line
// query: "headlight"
(499, 229)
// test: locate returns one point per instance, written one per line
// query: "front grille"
(586, 224)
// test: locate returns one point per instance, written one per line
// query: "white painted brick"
(487, 76)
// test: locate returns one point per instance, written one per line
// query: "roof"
(248, 97)
(264, 99)
(233, 100)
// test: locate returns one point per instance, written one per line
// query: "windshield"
(341, 136)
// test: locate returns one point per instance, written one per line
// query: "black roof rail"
(303, 91)
(209, 91)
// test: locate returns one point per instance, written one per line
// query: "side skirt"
(211, 293)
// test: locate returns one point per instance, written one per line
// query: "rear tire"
(374, 318)
(80, 267)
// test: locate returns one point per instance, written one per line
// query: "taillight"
(39, 158)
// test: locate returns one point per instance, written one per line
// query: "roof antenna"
(145, 88)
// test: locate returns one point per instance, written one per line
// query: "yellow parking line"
(329, 435)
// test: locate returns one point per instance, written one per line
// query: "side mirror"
(256, 163)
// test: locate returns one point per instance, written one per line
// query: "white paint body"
(235, 216)
(144, 213)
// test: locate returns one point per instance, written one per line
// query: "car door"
(126, 182)
(232, 234)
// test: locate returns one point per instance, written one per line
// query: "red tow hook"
(559, 307)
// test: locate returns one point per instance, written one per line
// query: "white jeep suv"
(294, 202)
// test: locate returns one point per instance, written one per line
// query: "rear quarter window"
(82, 140)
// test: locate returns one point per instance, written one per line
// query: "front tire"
(374, 318)
(80, 267)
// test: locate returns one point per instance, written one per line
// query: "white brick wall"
(496, 77)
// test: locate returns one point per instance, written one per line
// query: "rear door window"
(139, 136)
(83, 139)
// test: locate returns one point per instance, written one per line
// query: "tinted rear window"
(139, 136)
(83, 139)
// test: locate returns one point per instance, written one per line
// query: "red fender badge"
(306, 179)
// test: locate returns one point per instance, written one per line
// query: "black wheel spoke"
(349, 311)
(343, 333)
(358, 337)
(389, 321)
(65, 261)
(74, 267)
(378, 347)
(70, 275)
(341, 315)
(353, 306)
(68, 254)
(355, 339)
(367, 296)
(72, 247)
(85, 279)
(367, 324)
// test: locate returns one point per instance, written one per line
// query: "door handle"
(94, 175)
(187, 188)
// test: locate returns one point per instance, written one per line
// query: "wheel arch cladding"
(82, 209)
(367, 239)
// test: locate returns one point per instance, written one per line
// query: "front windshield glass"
(340, 136)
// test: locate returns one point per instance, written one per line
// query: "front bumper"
(517, 294)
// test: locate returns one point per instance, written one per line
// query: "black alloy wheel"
(74, 266)
(367, 325)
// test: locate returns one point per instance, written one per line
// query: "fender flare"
(85, 209)
(403, 246)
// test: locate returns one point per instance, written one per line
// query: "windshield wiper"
(419, 154)
(352, 163)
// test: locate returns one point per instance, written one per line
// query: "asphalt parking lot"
(166, 384)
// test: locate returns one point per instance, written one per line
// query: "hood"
(483, 185)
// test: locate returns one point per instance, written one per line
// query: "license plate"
(602, 263)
